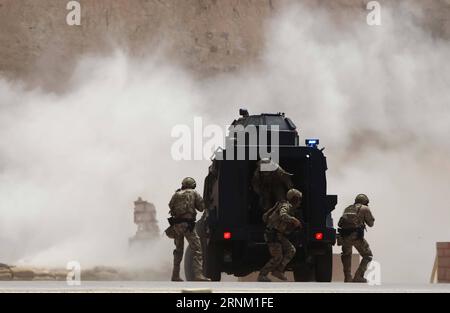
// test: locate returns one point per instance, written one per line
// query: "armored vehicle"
(231, 229)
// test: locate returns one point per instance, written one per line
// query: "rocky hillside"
(207, 36)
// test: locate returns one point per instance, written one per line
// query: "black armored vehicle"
(232, 230)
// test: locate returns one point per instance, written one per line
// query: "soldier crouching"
(183, 210)
(351, 234)
(279, 223)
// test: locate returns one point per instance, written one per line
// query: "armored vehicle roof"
(284, 123)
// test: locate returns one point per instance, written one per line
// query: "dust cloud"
(71, 164)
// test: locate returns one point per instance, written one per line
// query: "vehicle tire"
(215, 275)
(188, 264)
(324, 265)
(303, 273)
(212, 268)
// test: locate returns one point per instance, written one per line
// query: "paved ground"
(16, 286)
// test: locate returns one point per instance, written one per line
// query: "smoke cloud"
(72, 164)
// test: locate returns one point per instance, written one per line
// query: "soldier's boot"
(200, 277)
(348, 278)
(347, 266)
(359, 279)
(176, 274)
(263, 278)
(280, 275)
(359, 275)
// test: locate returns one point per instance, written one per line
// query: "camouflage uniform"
(279, 223)
(271, 186)
(183, 206)
(352, 234)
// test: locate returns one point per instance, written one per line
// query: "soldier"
(271, 185)
(279, 223)
(183, 206)
(352, 225)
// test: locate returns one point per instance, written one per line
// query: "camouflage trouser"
(282, 251)
(362, 246)
(182, 231)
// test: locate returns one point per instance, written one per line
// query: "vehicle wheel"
(324, 266)
(215, 275)
(188, 264)
(303, 273)
(212, 268)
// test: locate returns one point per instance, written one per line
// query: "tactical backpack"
(268, 215)
(273, 219)
(181, 203)
(351, 219)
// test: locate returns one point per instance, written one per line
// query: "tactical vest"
(351, 217)
(183, 203)
(273, 219)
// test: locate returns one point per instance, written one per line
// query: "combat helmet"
(188, 183)
(293, 194)
(362, 199)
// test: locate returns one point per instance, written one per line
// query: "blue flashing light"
(313, 143)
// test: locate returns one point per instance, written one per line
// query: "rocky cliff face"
(207, 36)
